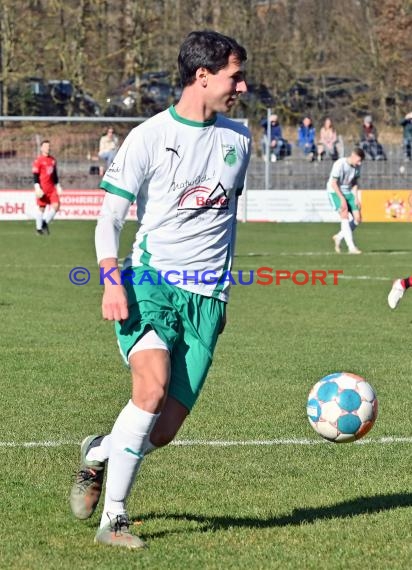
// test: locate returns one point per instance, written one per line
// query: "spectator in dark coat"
(369, 140)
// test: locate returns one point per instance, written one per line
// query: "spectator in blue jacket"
(276, 138)
(306, 138)
(406, 123)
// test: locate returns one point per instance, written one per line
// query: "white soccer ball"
(342, 407)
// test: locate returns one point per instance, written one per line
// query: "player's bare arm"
(355, 191)
(114, 302)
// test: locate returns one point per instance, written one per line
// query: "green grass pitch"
(277, 496)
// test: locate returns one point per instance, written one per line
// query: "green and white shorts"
(186, 322)
(334, 200)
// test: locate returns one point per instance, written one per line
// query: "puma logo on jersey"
(175, 150)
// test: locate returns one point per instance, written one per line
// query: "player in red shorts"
(46, 188)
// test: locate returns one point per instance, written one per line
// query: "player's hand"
(38, 191)
(59, 189)
(114, 303)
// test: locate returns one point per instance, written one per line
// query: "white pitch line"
(218, 443)
(364, 253)
(26, 444)
(276, 442)
(365, 277)
(240, 255)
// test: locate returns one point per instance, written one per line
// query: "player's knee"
(149, 397)
(148, 392)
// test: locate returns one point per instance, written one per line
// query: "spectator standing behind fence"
(369, 140)
(306, 138)
(108, 145)
(277, 142)
(47, 188)
(328, 140)
(406, 123)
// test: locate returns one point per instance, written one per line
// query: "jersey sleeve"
(55, 176)
(109, 225)
(336, 171)
(130, 167)
(240, 183)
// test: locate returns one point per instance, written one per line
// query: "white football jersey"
(185, 177)
(346, 175)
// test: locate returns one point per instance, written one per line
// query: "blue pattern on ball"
(349, 423)
(349, 400)
(328, 391)
(313, 409)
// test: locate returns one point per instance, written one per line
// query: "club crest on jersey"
(229, 154)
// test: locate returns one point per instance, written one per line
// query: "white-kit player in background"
(342, 190)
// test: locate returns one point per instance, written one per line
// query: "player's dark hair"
(359, 152)
(207, 49)
(44, 141)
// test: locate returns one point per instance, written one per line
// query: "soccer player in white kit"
(342, 190)
(185, 167)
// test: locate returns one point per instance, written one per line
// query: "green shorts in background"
(187, 322)
(334, 199)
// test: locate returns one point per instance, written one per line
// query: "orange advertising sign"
(386, 205)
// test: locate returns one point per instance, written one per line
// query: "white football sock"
(102, 451)
(347, 234)
(39, 219)
(128, 436)
(49, 215)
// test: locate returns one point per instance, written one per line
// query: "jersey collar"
(180, 119)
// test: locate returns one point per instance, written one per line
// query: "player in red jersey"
(46, 188)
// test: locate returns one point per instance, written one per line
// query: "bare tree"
(6, 53)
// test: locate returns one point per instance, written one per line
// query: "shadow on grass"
(347, 509)
(390, 251)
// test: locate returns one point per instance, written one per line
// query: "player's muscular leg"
(55, 206)
(344, 211)
(150, 378)
(169, 422)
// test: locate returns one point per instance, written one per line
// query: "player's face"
(355, 160)
(45, 149)
(225, 86)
